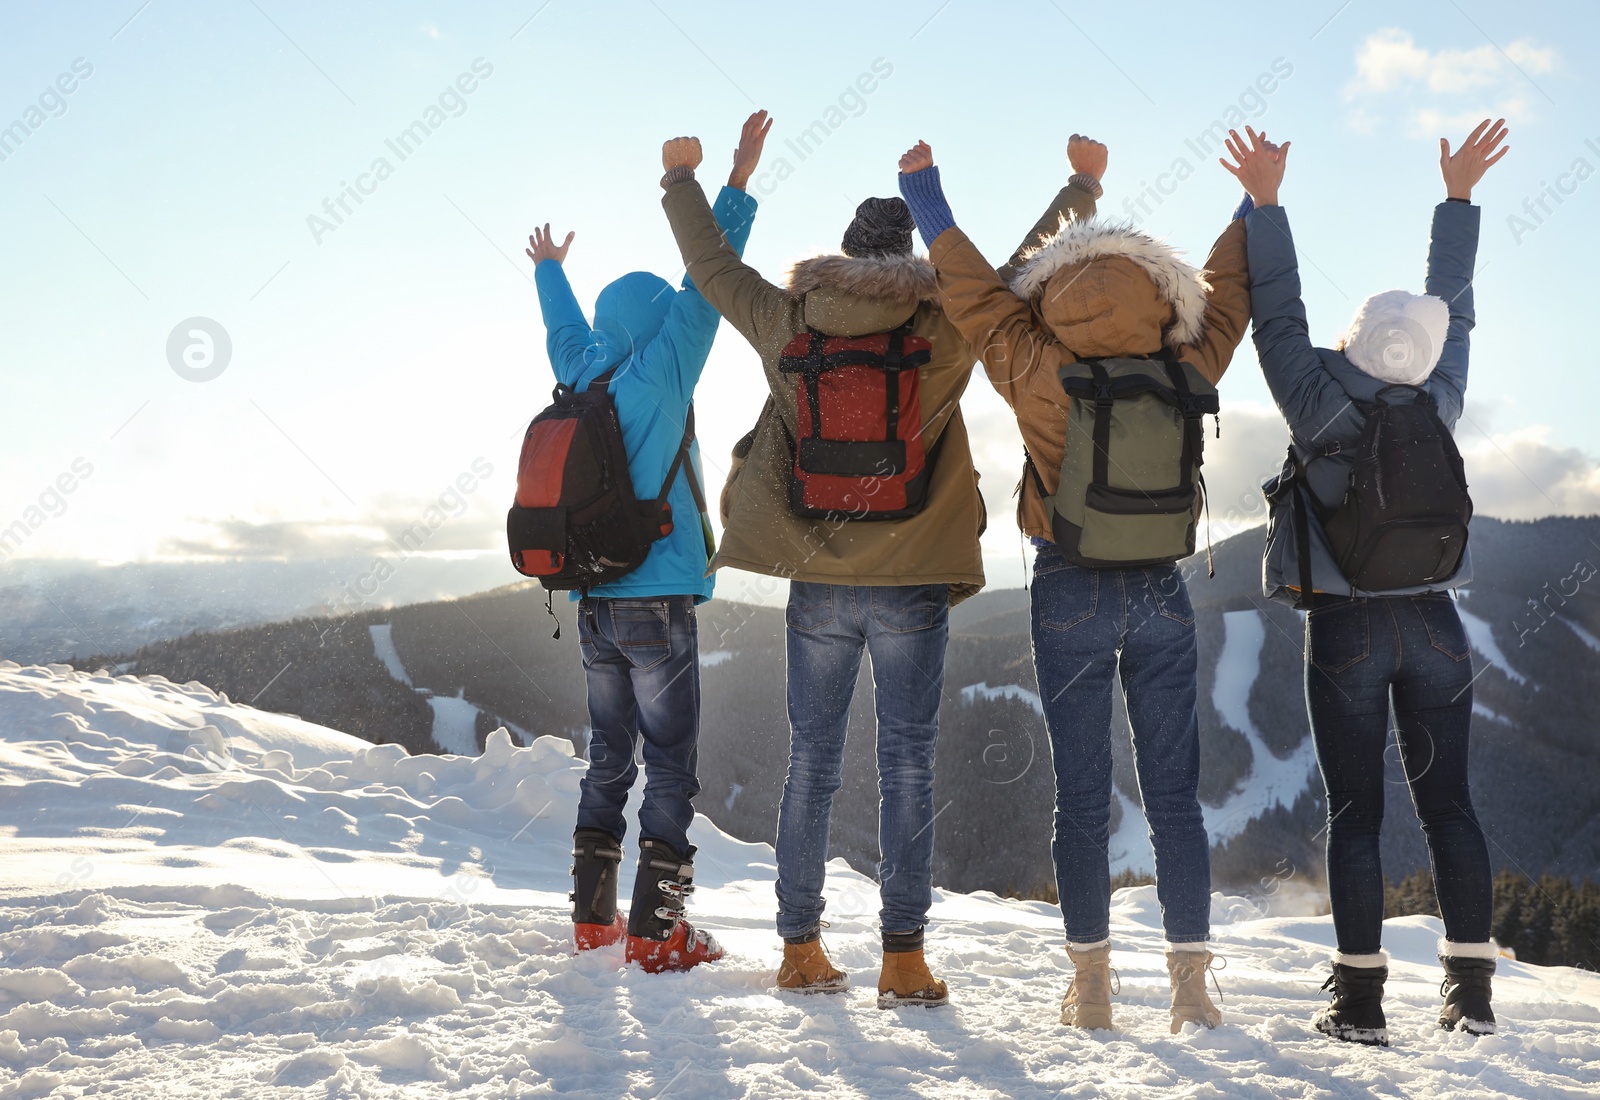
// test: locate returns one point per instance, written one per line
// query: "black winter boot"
(596, 855)
(1466, 994)
(1356, 1014)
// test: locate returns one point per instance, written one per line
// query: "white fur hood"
(1397, 337)
(1079, 241)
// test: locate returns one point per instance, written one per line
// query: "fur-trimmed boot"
(806, 968)
(905, 978)
(658, 936)
(1187, 968)
(1468, 974)
(1356, 1014)
(596, 854)
(1088, 1000)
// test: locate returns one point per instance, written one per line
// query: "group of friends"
(877, 570)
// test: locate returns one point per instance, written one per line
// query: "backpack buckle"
(1103, 394)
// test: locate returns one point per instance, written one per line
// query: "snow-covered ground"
(203, 900)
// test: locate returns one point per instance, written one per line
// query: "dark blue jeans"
(904, 628)
(1362, 657)
(642, 661)
(1089, 627)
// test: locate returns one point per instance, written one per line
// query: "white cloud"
(1521, 475)
(1445, 90)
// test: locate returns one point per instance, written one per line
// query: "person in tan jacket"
(1098, 290)
(857, 581)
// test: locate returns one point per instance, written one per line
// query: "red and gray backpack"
(576, 522)
(860, 453)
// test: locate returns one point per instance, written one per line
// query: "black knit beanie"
(882, 227)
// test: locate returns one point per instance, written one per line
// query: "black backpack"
(1403, 520)
(576, 522)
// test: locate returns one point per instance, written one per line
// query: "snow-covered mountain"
(200, 899)
(443, 675)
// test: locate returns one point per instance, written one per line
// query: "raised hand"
(1087, 155)
(681, 152)
(1260, 165)
(542, 246)
(1463, 170)
(918, 157)
(748, 154)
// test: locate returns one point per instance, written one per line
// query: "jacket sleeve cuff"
(925, 196)
(1087, 182)
(1246, 205)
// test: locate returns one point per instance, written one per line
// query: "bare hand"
(748, 154)
(1463, 170)
(1087, 155)
(918, 157)
(543, 246)
(1261, 165)
(681, 152)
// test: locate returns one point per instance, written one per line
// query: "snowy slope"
(199, 899)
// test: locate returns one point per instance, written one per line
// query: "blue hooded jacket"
(658, 339)
(1316, 388)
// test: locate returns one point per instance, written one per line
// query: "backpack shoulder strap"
(1301, 504)
(602, 381)
(681, 461)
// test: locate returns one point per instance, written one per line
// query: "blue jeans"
(642, 661)
(905, 628)
(1082, 620)
(1363, 656)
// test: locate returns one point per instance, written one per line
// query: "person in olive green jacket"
(883, 585)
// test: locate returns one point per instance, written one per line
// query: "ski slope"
(203, 900)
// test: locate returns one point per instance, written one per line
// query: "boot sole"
(1471, 1027)
(816, 989)
(894, 1000)
(1364, 1036)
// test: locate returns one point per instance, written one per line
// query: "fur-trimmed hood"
(1086, 273)
(907, 278)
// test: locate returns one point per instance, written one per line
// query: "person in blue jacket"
(638, 633)
(1369, 651)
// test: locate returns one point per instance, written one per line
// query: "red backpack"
(860, 453)
(576, 522)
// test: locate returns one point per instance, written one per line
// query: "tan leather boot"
(1088, 1000)
(905, 980)
(806, 968)
(1190, 1001)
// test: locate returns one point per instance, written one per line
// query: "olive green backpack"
(1130, 491)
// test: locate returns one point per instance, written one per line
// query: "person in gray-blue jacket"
(1367, 650)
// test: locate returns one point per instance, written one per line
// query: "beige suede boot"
(1190, 1001)
(1088, 1000)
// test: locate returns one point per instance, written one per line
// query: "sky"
(173, 174)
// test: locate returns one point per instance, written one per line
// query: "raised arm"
(757, 308)
(1306, 394)
(999, 326)
(680, 349)
(566, 332)
(1452, 255)
(1077, 199)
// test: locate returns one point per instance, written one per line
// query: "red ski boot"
(658, 937)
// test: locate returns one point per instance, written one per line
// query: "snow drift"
(200, 899)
